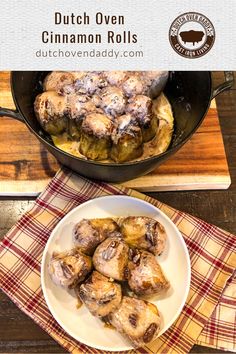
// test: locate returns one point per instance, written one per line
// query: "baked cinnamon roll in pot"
(100, 294)
(106, 115)
(52, 112)
(140, 107)
(90, 82)
(145, 233)
(145, 276)
(79, 106)
(70, 268)
(136, 319)
(132, 84)
(60, 81)
(127, 139)
(111, 258)
(112, 101)
(95, 142)
(89, 233)
(115, 78)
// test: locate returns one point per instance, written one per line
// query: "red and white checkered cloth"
(208, 317)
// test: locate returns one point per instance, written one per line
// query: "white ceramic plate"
(79, 323)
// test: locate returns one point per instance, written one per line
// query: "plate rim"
(74, 210)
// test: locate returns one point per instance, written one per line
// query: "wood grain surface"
(19, 334)
(26, 166)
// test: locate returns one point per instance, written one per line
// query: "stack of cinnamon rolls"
(113, 268)
(110, 113)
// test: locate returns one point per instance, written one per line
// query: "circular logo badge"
(192, 35)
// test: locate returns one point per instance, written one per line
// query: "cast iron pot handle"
(229, 81)
(11, 113)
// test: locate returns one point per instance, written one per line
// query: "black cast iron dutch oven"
(189, 92)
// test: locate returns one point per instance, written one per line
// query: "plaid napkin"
(220, 330)
(207, 317)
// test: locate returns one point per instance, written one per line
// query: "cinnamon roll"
(136, 319)
(79, 106)
(145, 276)
(140, 107)
(89, 233)
(101, 295)
(111, 258)
(132, 84)
(144, 233)
(95, 142)
(70, 268)
(90, 82)
(113, 101)
(127, 139)
(60, 81)
(115, 78)
(52, 112)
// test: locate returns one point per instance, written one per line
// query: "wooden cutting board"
(26, 167)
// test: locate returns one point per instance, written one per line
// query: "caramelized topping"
(148, 335)
(110, 252)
